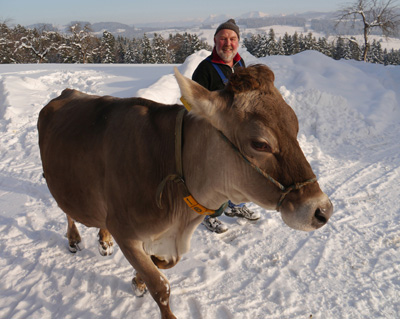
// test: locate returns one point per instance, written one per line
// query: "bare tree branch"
(381, 14)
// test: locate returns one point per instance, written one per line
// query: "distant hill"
(321, 23)
(253, 15)
(117, 29)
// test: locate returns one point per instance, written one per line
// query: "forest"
(261, 45)
(80, 45)
(19, 44)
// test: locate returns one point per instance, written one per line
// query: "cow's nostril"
(320, 216)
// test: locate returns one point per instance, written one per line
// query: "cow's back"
(97, 150)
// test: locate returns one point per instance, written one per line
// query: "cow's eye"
(261, 146)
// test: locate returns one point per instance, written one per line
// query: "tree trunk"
(366, 44)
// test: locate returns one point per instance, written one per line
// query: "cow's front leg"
(156, 282)
(138, 285)
(106, 244)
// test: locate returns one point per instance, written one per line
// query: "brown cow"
(110, 163)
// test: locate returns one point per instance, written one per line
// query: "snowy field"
(349, 114)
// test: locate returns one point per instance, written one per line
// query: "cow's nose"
(322, 215)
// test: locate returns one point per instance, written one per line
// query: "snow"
(349, 119)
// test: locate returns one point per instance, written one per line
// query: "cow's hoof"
(106, 248)
(138, 290)
(74, 247)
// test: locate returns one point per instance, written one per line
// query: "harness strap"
(285, 190)
(178, 141)
(178, 177)
(220, 73)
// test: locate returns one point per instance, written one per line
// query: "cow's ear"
(198, 99)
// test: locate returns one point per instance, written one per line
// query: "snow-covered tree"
(309, 42)
(107, 48)
(355, 51)
(183, 45)
(121, 49)
(374, 14)
(135, 52)
(296, 44)
(279, 47)
(251, 44)
(147, 50)
(392, 57)
(196, 43)
(324, 47)
(160, 49)
(339, 52)
(272, 45)
(6, 44)
(375, 54)
(287, 44)
(82, 44)
(37, 45)
(185, 49)
(129, 54)
(263, 46)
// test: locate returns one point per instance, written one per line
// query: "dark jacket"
(206, 75)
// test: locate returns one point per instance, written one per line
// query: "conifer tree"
(129, 54)
(185, 49)
(355, 51)
(310, 42)
(339, 51)
(251, 44)
(160, 49)
(136, 55)
(121, 48)
(297, 43)
(287, 44)
(324, 47)
(375, 54)
(272, 45)
(6, 44)
(279, 47)
(147, 51)
(107, 48)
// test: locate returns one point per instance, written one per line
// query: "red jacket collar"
(216, 59)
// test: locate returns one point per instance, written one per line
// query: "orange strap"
(198, 208)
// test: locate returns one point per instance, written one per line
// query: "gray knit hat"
(231, 25)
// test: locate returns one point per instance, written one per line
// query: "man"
(213, 73)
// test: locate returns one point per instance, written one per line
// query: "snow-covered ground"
(349, 114)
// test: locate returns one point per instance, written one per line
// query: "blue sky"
(132, 12)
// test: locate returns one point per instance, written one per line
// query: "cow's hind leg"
(148, 274)
(73, 236)
(106, 244)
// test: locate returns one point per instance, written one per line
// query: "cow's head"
(256, 120)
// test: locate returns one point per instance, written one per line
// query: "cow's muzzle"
(322, 215)
(308, 215)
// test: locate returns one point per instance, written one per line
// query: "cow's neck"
(202, 163)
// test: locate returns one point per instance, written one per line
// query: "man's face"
(226, 43)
